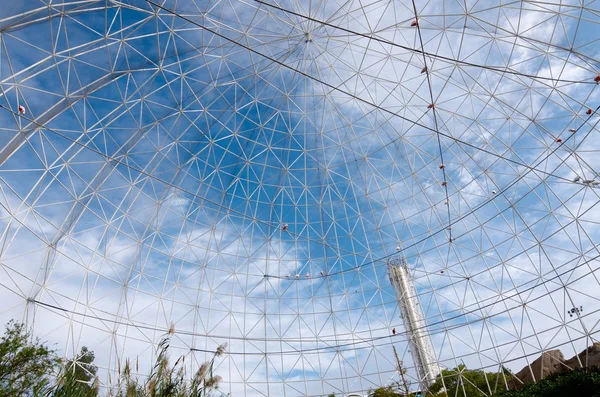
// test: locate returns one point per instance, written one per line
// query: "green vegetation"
(395, 390)
(78, 377)
(384, 391)
(167, 381)
(582, 382)
(461, 381)
(29, 367)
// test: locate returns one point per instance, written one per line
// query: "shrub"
(581, 382)
(27, 366)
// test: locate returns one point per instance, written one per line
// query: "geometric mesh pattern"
(244, 170)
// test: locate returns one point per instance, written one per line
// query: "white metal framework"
(418, 338)
(244, 170)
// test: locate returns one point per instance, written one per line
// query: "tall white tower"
(416, 328)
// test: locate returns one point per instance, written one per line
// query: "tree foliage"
(582, 382)
(29, 368)
(27, 365)
(461, 381)
(384, 391)
(78, 377)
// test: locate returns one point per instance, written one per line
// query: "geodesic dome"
(245, 170)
